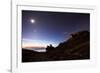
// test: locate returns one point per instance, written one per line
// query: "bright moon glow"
(32, 20)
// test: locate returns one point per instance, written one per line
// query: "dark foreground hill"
(77, 47)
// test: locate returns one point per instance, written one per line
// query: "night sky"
(40, 28)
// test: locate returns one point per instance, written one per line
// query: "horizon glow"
(36, 43)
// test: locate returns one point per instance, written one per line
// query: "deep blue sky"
(51, 27)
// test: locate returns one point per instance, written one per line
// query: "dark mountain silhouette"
(77, 47)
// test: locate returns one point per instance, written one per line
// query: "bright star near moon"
(32, 20)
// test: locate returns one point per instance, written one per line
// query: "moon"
(32, 20)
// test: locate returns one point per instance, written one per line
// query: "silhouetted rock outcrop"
(50, 48)
(76, 47)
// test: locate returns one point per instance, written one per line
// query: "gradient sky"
(51, 27)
